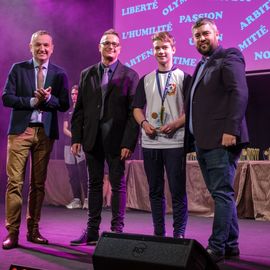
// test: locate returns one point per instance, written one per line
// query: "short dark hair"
(111, 32)
(39, 33)
(165, 37)
(203, 21)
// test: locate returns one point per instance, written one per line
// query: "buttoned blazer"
(219, 101)
(19, 89)
(119, 128)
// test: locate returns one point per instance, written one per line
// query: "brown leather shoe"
(36, 237)
(11, 241)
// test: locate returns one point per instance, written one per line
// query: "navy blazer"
(119, 128)
(19, 89)
(219, 101)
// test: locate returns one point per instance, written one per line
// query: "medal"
(163, 96)
(162, 112)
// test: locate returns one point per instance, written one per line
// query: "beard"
(206, 48)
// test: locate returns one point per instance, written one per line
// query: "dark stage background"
(76, 26)
(258, 112)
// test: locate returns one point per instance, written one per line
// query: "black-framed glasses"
(108, 44)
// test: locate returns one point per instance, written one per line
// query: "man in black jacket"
(104, 125)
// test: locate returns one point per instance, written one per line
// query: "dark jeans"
(173, 160)
(95, 161)
(78, 179)
(218, 168)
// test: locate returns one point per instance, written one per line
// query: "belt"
(38, 124)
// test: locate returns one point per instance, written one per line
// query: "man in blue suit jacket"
(104, 125)
(35, 90)
(215, 118)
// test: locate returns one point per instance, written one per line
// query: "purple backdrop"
(76, 26)
(242, 23)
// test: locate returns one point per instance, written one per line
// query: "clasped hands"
(42, 95)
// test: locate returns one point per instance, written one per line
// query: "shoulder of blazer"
(221, 52)
(24, 64)
(127, 70)
(55, 68)
(120, 68)
(91, 69)
(234, 51)
(228, 53)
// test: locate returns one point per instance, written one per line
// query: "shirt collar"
(174, 67)
(45, 65)
(204, 59)
(112, 66)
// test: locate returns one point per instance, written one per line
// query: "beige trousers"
(32, 141)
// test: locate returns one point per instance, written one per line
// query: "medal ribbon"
(165, 92)
(166, 87)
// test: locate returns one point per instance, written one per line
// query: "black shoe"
(232, 252)
(36, 237)
(92, 239)
(11, 241)
(82, 240)
(85, 239)
(116, 231)
(215, 256)
(181, 236)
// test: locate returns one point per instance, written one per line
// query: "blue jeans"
(173, 160)
(218, 168)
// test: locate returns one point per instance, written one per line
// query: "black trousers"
(95, 162)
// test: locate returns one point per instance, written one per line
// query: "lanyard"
(166, 87)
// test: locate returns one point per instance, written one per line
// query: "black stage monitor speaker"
(143, 252)
(20, 267)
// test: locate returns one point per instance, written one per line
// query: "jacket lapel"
(95, 77)
(209, 62)
(49, 77)
(30, 72)
(192, 81)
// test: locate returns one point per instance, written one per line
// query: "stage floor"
(61, 225)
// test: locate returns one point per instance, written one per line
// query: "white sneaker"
(74, 204)
(85, 204)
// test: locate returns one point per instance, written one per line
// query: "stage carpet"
(61, 225)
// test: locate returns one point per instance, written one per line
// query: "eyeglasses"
(108, 44)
